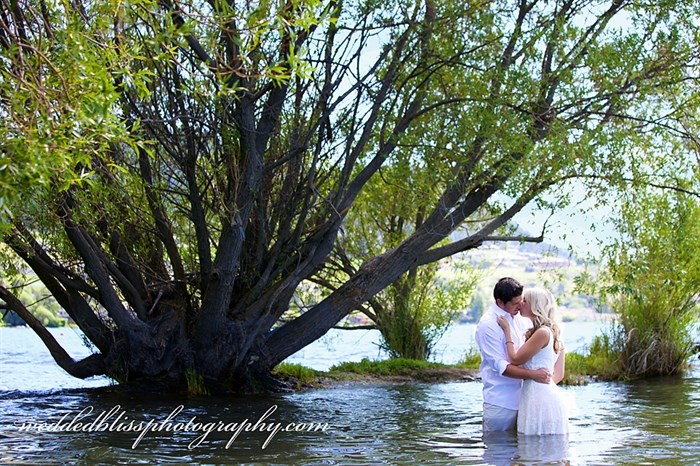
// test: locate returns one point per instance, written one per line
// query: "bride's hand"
(503, 323)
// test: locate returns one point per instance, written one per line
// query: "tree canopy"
(173, 171)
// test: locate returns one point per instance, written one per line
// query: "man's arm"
(491, 341)
(540, 375)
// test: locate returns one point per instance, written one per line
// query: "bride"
(542, 407)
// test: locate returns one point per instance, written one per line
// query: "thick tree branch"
(67, 291)
(162, 222)
(98, 272)
(88, 367)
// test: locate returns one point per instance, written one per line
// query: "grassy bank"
(386, 371)
(407, 371)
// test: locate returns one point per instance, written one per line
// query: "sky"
(581, 227)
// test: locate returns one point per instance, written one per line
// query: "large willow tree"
(172, 171)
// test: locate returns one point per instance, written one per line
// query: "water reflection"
(549, 449)
(509, 448)
(666, 412)
(500, 448)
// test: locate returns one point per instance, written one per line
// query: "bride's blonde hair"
(543, 307)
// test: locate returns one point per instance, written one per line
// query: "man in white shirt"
(503, 380)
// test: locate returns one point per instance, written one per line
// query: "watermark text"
(117, 420)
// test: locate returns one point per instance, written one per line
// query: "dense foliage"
(413, 312)
(652, 282)
(173, 172)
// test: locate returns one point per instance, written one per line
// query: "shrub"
(653, 270)
(471, 359)
(298, 372)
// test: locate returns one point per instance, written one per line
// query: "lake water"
(645, 422)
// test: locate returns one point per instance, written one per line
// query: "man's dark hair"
(507, 288)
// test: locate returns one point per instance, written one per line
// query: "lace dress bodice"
(546, 357)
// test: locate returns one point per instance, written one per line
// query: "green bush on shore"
(296, 372)
(578, 367)
(651, 278)
(471, 359)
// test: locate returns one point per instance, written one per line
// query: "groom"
(503, 380)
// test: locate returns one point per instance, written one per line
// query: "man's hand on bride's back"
(541, 375)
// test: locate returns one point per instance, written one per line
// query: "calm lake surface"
(47, 417)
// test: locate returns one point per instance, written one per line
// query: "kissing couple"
(522, 361)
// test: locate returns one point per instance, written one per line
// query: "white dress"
(542, 407)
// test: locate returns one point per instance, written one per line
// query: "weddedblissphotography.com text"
(117, 419)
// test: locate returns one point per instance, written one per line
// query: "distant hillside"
(533, 264)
